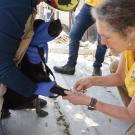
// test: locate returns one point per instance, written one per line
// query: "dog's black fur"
(34, 72)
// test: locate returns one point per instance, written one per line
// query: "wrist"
(87, 101)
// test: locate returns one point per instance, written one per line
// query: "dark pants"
(82, 22)
(100, 54)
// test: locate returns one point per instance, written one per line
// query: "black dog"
(34, 72)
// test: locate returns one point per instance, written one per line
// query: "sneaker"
(96, 72)
(66, 69)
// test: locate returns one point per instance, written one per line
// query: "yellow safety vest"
(93, 2)
(130, 72)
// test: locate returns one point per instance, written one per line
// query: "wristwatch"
(92, 105)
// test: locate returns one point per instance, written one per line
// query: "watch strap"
(92, 105)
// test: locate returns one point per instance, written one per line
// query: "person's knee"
(73, 35)
(75, 32)
(113, 66)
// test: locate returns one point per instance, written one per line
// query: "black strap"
(41, 53)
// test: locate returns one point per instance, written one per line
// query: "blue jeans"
(82, 22)
(100, 53)
(1, 129)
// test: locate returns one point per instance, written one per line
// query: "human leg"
(99, 58)
(82, 21)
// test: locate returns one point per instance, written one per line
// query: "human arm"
(114, 79)
(123, 113)
(11, 31)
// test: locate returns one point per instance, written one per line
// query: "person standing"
(82, 22)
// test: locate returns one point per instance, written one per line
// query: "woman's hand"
(83, 84)
(77, 98)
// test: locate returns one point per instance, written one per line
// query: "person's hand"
(82, 85)
(77, 98)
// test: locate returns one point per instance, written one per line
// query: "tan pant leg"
(131, 130)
